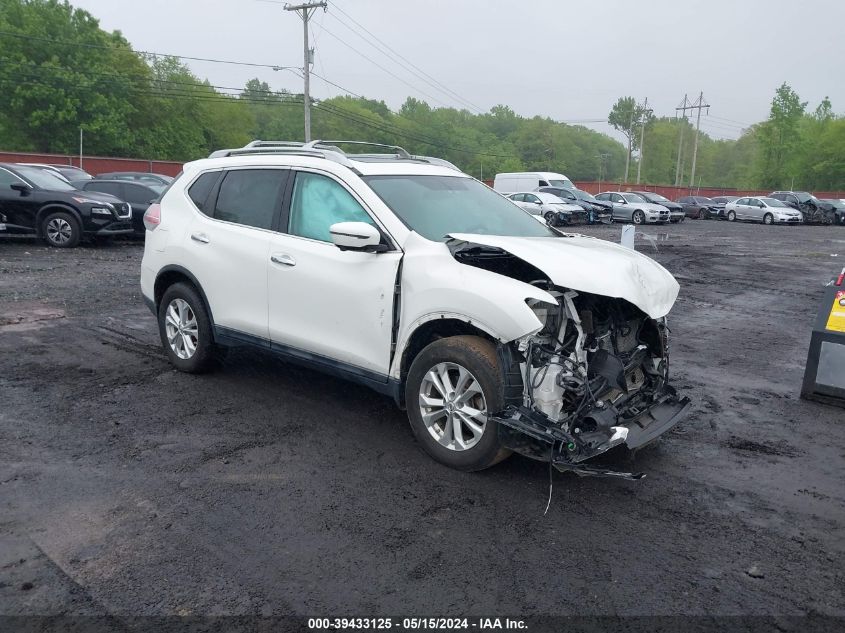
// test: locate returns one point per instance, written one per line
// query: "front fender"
(436, 286)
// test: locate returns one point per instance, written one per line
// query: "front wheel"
(550, 218)
(61, 229)
(454, 384)
(768, 218)
(731, 216)
(638, 217)
(702, 214)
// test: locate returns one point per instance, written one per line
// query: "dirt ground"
(127, 488)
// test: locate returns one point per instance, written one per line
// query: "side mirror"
(21, 187)
(357, 236)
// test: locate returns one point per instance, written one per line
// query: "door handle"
(284, 259)
(202, 238)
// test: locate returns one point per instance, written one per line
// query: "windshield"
(435, 206)
(44, 179)
(566, 183)
(773, 202)
(632, 197)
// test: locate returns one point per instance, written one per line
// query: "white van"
(530, 181)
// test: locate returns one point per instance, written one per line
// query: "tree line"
(59, 72)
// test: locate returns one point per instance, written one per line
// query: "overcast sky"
(566, 59)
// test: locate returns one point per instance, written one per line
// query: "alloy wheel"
(59, 231)
(453, 407)
(181, 328)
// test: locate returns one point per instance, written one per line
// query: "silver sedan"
(762, 209)
(631, 207)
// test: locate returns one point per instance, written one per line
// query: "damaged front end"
(594, 377)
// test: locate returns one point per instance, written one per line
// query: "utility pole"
(630, 133)
(601, 158)
(683, 109)
(305, 11)
(698, 105)
(645, 114)
(80, 147)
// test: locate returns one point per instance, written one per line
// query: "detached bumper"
(530, 433)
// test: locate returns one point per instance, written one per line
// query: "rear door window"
(137, 194)
(250, 197)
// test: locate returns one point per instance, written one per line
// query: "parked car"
(630, 207)
(838, 209)
(530, 181)
(762, 209)
(698, 207)
(813, 210)
(552, 209)
(39, 202)
(676, 211)
(598, 211)
(420, 282)
(718, 206)
(138, 194)
(68, 172)
(140, 176)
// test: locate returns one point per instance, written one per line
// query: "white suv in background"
(403, 274)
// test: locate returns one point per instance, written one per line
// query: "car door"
(620, 208)
(227, 245)
(518, 199)
(753, 210)
(331, 306)
(16, 212)
(533, 204)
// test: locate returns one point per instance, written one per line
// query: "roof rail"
(325, 149)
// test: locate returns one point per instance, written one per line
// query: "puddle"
(24, 319)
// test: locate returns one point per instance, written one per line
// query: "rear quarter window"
(200, 190)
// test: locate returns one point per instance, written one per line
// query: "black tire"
(478, 356)
(638, 217)
(702, 214)
(731, 216)
(61, 229)
(551, 218)
(206, 355)
(768, 219)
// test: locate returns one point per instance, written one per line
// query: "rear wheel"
(185, 330)
(452, 387)
(638, 217)
(768, 218)
(61, 229)
(731, 216)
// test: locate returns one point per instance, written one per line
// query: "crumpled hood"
(588, 264)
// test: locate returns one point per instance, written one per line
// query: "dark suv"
(698, 207)
(814, 210)
(37, 202)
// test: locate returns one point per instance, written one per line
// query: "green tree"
(779, 137)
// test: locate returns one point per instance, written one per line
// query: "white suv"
(401, 273)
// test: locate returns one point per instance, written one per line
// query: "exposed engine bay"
(595, 376)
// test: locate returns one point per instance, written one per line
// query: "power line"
(130, 50)
(386, 50)
(376, 64)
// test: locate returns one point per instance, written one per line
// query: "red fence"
(99, 164)
(96, 164)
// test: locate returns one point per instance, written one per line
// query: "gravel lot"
(127, 488)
